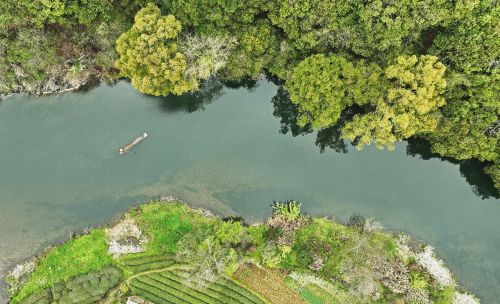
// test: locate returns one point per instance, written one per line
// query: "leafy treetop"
(150, 56)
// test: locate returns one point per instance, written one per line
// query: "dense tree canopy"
(213, 16)
(318, 85)
(401, 102)
(51, 46)
(323, 86)
(470, 125)
(409, 107)
(256, 50)
(472, 44)
(150, 56)
(364, 27)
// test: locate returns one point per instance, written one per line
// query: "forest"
(379, 71)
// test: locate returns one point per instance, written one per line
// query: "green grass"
(166, 224)
(310, 297)
(442, 296)
(315, 294)
(256, 234)
(78, 256)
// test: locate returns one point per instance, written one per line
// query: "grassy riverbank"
(167, 252)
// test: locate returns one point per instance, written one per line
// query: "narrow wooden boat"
(131, 144)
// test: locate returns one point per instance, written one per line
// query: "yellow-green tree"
(317, 85)
(150, 56)
(410, 107)
(323, 86)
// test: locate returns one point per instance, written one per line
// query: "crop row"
(150, 266)
(225, 291)
(144, 293)
(170, 287)
(181, 287)
(207, 295)
(143, 259)
(147, 262)
(150, 292)
(243, 291)
(227, 287)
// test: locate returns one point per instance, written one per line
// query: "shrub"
(271, 256)
(289, 210)
(442, 295)
(418, 281)
(229, 233)
(82, 289)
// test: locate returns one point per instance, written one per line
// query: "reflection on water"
(209, 91)
(472, 170)
(288, 114)
(330, 138)
(245, 83)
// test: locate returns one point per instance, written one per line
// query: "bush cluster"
(83, 289)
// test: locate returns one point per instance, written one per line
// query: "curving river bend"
(60, 172)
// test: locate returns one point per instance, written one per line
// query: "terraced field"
(169, 287)
(142, 263)
(162, 280)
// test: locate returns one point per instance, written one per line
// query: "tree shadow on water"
(331, 138)
(328, 138)
(209, 91)
(247, 83)
(288, 113)
(472, 170)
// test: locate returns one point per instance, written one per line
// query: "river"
(60, 172)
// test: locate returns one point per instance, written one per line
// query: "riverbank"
(166, 251)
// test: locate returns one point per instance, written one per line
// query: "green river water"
(60, 172)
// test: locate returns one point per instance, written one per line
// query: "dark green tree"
(471, 44)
